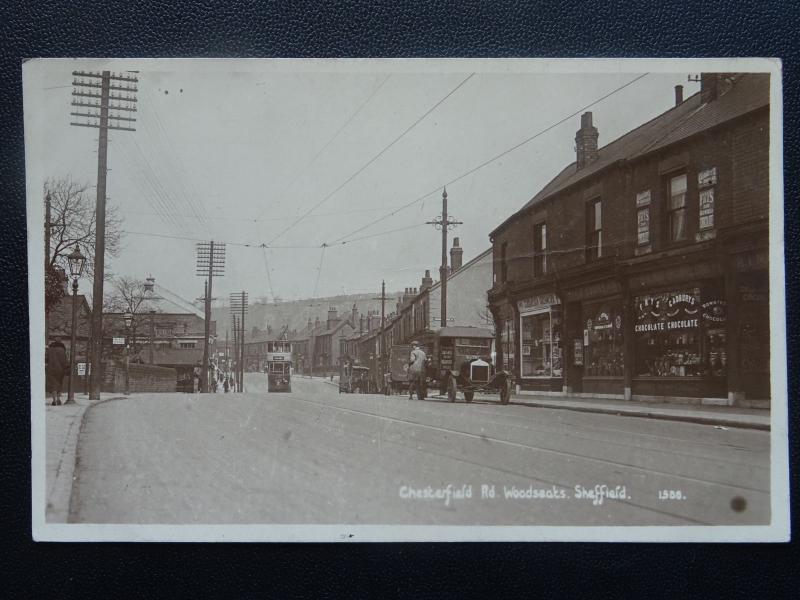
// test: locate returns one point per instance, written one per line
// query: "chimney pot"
(586, 142)
(678, 95)
(456, 255)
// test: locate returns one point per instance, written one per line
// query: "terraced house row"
(642, 268)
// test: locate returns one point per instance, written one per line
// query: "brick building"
(417, 313)
(642, 268)
(325, 343)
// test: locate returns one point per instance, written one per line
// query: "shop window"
(594, 230)
(681, 334)
(539, 249)
(677, 210)
(541, 347)
(603, 354)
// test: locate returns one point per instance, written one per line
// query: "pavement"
(62, 429)
(720, 416)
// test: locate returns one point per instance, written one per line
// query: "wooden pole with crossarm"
(104, 101)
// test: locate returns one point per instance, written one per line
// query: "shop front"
(603, 347)
(540, 346)
(505, 335)
(681, 342)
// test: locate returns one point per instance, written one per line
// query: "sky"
(294, 155)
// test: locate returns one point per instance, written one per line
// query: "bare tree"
(72, 222)
(128, 294)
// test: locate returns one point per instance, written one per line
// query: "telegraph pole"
(100, 98)
(238, 304)
(235, 382)
(445, 223)
(210, 262)
(383, 298)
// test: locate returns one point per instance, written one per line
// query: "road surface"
(317, 456)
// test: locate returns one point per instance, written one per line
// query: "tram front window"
(279, 368)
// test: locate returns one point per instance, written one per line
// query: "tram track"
(536, 448)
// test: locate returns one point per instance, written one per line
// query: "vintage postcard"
(406, 300)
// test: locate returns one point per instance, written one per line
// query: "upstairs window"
(594, 230)
(706, 182)
(677, 210)
(503, 262)
(539, 249)
(643, 218)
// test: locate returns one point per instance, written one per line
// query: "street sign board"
(81, 369)
(118, 341)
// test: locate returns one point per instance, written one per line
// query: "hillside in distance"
(296, 313)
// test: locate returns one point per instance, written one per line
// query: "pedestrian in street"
(416, 371)
(225, 385)
(55, 368)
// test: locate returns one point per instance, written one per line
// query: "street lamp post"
(76, 261)
(127, 317)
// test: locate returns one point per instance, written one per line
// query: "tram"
(279, 366)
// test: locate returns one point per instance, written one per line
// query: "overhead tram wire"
(328, 143)
(267, 247)
(319, 271)
(153, 179)
(373, 159)
(152, 129)
(251, 220)
(487, 162)
(269, 278)
(191, 199)
(144, 181)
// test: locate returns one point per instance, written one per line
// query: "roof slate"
(748, 93)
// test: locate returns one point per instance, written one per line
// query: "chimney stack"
(355, 314)
(678, 95)
(427, 281)
(709, 87)
(456, 255)
(586, 141)
(332, 316)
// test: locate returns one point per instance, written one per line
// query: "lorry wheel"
(452, 390)
(468, 396)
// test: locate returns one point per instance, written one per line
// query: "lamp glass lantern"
(127, 317)
(76, 262)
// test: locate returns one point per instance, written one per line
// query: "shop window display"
(541, 344)
(603, 355)
(681, 334)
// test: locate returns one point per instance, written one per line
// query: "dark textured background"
(362, 29)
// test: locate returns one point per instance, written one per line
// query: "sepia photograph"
(406, 299)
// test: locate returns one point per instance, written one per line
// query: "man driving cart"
(417, 362)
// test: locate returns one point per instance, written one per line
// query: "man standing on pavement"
(56, 368)
(416, 370)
